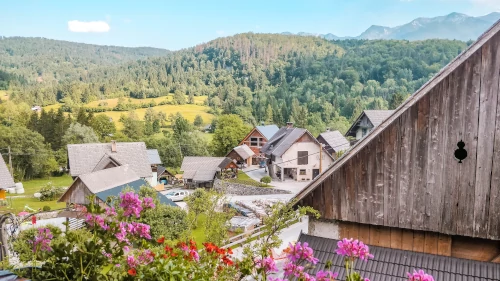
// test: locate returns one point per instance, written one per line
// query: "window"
(254, 142)
(302, 172)
(365, 131)
(302, 158)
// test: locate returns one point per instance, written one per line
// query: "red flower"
(173, 255)
(132, 272)
(192, 244)
(209, 247)
(168, 249)
(227, 261)
(221, 251)
(164, 256)
(161, 240)
(229, 251)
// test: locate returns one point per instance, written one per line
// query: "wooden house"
(241, 155)
(89, 157)
(202, 171)
(257, 138)
(366, 122)
(427, 179)
(294, 153)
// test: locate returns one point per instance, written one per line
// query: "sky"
(181, 24)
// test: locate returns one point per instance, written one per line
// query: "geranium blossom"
(301, 252)
(267, 264)
(131, 204)
(147, 203)
(419, 276)
(353, 249)
(42, 240)
(326, 276)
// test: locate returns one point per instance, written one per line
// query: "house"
(366, 122)
(88, 157)
(426, 179)
(295, 153)
(334, 142)
(201, 171)
(36, 108)
(392, 264)
(164, 176)
(105, 185)
(241, 155)
(6, 180)
(257, 138)
(154, 161)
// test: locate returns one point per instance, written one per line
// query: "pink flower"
(110, 212)
(419, 276)
(354, 249)
(132, 262)
(326, 276)
(42, 240)
(107, 255)
(131, 204)
(145, 257)
(270, 278)
(293, 269)
(96, 220)
(139, 229)
(194, 254)
(267, 264)
(147, 202)
(301, 252)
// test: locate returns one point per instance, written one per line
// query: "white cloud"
(220, 32)
(88, 26)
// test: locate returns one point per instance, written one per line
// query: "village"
(407, 193)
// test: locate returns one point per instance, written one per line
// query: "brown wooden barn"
(402, 185)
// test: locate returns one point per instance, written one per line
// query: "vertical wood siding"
(407, 176)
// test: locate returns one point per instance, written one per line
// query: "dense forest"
(251, 77)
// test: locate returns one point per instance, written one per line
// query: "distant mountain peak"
(454, 26)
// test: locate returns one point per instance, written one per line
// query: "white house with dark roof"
(295, 153)
(366, 122)
(91, 157)
(154, 161)
(6, 180)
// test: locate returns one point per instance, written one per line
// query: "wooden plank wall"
(423, 241)
(407, 175)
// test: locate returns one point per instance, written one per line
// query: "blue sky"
(179, 24)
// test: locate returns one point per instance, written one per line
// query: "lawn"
(189, 111)
(16, 204)
(198, 234)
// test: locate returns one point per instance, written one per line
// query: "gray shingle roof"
(105, 161)
(202, 168)
(6, 180)
(268, 131)
(154, 157)
(282, 141)
(392, 265)
(377, 116)
(106, 179)
(336, 140)
(244, 151)
(83, 158)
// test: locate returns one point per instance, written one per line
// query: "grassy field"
(16, 204)
(189, 111)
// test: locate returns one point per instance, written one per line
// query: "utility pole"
(10, 163)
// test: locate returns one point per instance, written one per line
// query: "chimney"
(113, 146)
(289, 125)
(328, 129)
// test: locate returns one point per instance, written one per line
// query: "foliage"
(46, 208)
(33, 157)
(198, 121)
(230, 130)
(24, 250)
(103, 126)
(207, 203)
(180, 125)
(78, 133)
(266, 179)
(50, 192)
(133, 128)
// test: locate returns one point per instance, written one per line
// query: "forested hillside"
(260, 77)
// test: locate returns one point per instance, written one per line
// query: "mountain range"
(453, 26)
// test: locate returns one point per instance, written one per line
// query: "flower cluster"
(94, 220)
(147, 203)
(353, 249)
(419, 276)
(42, 240)
(299, 252)
(134, 228)
(220, 252)
(131, 204)
(267, 264)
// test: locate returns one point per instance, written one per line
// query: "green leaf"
(106, 269)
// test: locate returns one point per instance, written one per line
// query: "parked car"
(177, 195)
